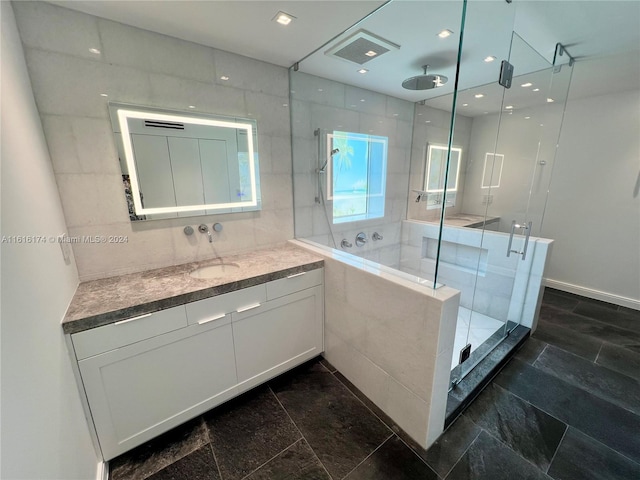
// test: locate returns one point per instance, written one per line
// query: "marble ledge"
(108, 300)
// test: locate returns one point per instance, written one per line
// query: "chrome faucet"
(346, 243)
(376, 236)
(202, 228)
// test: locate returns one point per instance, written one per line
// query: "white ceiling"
(603, 35)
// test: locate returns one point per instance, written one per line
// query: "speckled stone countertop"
(466, 220)
(105, 301)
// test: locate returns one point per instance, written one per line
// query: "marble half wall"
(392, 337)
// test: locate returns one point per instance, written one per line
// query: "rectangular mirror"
(178, 164)
(435, 170)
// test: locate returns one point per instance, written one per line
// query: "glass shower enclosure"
(446, 185)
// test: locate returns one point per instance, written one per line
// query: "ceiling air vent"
(158, 124)
(361, 47)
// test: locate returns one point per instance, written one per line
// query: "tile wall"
(393, 339)
(329, 105)
(145, 68)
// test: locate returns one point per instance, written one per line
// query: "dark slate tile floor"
(565, 407)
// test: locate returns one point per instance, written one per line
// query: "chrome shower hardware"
(346, 243)
(361, 239)
(376, 236)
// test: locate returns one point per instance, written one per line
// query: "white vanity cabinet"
(283, 332)
(146, 375)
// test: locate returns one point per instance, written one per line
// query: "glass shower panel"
(511, 155)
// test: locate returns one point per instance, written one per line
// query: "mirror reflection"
(177, 164)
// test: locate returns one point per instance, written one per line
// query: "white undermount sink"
(215, 271)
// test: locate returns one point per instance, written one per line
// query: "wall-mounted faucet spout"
(204, 229)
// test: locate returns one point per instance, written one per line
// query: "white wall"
(145, 68)
(593, 212)
(44, 433)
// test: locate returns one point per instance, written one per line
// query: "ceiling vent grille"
(361, 47)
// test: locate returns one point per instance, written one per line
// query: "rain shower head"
(424, 81)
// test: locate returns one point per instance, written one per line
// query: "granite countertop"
(466, 220)
(108, 300)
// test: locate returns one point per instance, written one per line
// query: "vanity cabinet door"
(144, 389)
(278, 335)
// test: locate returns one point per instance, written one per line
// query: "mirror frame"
(124, 112)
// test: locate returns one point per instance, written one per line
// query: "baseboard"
(595, 294)
(102, 473)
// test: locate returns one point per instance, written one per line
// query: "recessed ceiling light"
(395, 114)
(362, 100)
(224, 77)
(419, 114)
(285, 104)
(526, 85)
(283, 18)
(321, 90)
(192, 106)
(427, 121)
(445, 33)
(509, 107)
(479, 95)
(527, 118)
(104, 95)
(94, 50)
(465, 104)
(550, 100)
(371, 53)
(363, 70)
(489, 59)
(536, 89)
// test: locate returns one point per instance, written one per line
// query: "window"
(357, 175)
(435, 172)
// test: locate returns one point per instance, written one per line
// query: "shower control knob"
(217, 227)
(361, 239)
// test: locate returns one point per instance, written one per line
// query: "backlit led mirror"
(434, 177)
(178, 164)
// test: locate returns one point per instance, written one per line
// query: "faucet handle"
(361, 239)
(377, 236)
(346, 243)
(202, 228)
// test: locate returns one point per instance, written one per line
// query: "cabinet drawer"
(211, 309)
(294, 283)
(125, 332)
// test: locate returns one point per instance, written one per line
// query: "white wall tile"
(144, 250)
(409, 411)
(276, 191)
(143, 68)
(153, 52)
(270, 112)
(249, 74)
(92, 199)
(179, 93)
(67, 85)
(310, 88)
(57, 29)
(374, 103)
(400, 109)
(281, 155)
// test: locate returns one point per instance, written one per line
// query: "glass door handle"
(527, 228)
